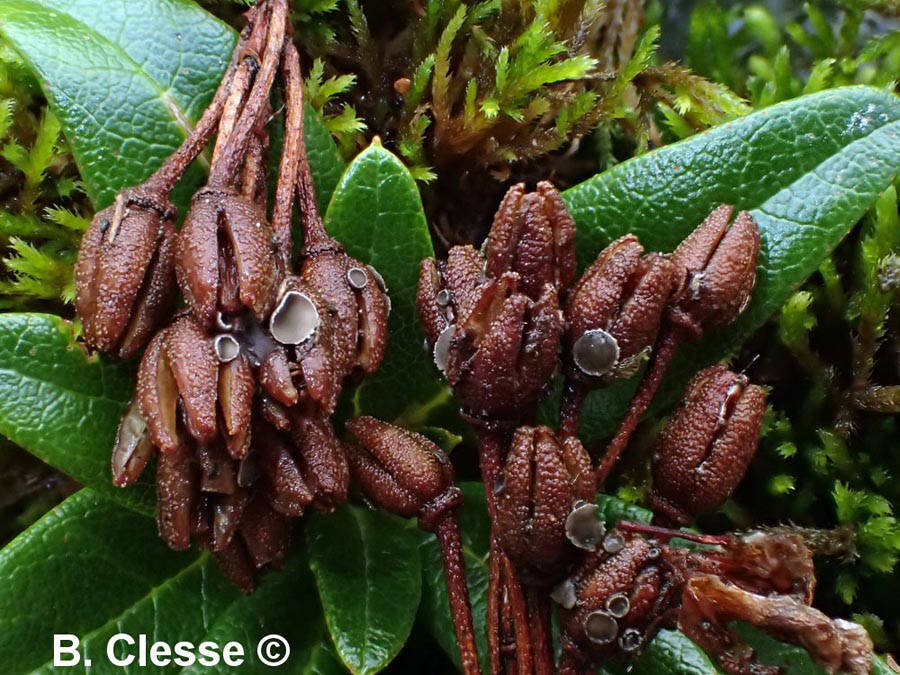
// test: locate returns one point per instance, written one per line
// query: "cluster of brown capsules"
(501, 323)
(236, 389)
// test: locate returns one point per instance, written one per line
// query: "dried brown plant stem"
(247, 65)
(290, 158)
(253, 173)
(665, 349)
(173, 168)
(447, 531)
(541, 631)
(574, 396)
(224, 170)
(507, 606)
(314, 235)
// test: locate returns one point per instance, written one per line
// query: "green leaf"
(434, 613)
(367, 568)
(136, 585)
(807, 170)
(325, 160)
(672, 653)
(376, 212)
(613, 509)
(126, 80)
(63, 405)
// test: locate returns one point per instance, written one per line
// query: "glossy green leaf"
(127, 80)
(807, 169)
(613, 509)
(63, 405)
(434, 612)
(366, 565)
(136, 585)
(376, 212)
(325, 160)
(671, 653)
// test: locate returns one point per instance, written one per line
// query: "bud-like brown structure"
(225, 258)
(704, 450)
(717, 268)
(614, 311)
(544, 479)
(177, 380)
(611, 603)
(331, 320)
(124, 276)
(401, 471)
(497, 347)
(533, 235)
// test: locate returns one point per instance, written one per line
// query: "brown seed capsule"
(544, 479)
(334, 314)
(399, 470)
(180, 364)
(322, 458)
(534, 236)
(717, 268)
(614, 311)
(124, 276)
(224, 257)
(500, 353)
(611, 603)
(715, 271)
(707, 445)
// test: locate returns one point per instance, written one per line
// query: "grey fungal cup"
(357, 278)
(583, 527)
(295, 319)
(227, 348)
(596, 353)
(600, 627)
(442, 347)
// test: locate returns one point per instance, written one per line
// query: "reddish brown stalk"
(224, 170)
(248, 57)
(253, 173)
(173, 168)
(293, 147)
(541, 631)
(505, 594)
(666, 534)
(667, 345)
(447, 532)
(314, 235)
(570, 410)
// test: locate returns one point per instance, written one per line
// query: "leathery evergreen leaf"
(127, 80)
(366, 565)
(61, 404)
(136, 586)
(806, 169)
